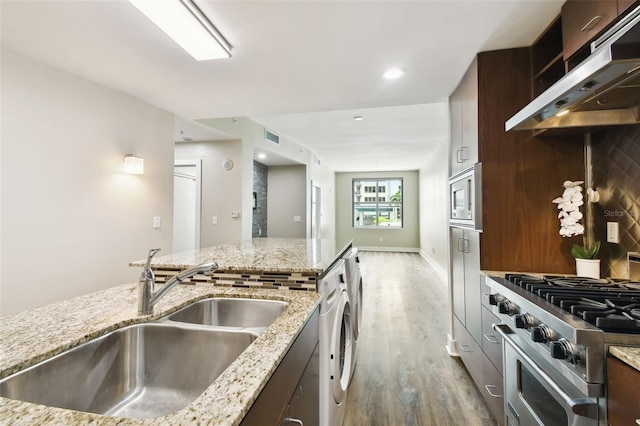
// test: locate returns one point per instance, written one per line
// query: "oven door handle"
(584, 407)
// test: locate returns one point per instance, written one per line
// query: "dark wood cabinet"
(284, 387)
(546, 57)
(625, 5)
(583, 20)
(623, 393)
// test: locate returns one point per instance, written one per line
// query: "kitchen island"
(282, 263)
(38, 334)
(250, 269)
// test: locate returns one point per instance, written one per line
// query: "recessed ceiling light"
(262, 156)
(393, 73)
(358, 118)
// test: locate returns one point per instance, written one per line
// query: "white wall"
(221, 189)
(71, 220)
(286, 199)
(404, 239)
(434, 225)
(252, 136)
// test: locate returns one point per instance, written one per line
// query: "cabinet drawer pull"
(589, 25)
(292, 420)
(463, 348)
(489, 387)
(492, 339)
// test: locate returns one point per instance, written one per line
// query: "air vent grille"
(271, 136)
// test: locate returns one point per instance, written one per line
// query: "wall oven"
(466, 198)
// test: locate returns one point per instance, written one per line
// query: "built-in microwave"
(466, 198)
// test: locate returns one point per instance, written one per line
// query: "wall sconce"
(133, 165)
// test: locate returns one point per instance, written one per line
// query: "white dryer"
(335, 345)
(354, 289)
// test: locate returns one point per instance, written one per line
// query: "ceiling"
(301, 68)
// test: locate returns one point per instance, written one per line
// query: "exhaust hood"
(602, 90)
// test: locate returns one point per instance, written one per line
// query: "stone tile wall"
(259, 226)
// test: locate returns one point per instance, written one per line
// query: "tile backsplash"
(616, 176)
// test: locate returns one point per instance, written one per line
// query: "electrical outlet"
(235, 215)
(613, 235)
(297, 218)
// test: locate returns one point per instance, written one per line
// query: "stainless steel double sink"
(150, 369)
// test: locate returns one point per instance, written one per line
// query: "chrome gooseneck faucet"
(148, 297)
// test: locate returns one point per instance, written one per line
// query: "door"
(186, 205)
(316, 197)
(341, 350)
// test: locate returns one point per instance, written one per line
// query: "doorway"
(187, 190)
(316, 211)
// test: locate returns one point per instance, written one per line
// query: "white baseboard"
(393, 249)
(434, 264)
(452, 346)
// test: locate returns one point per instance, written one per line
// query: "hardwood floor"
(404, 375)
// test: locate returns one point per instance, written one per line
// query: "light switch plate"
(214, 220)
(157, 223)
(613, 235)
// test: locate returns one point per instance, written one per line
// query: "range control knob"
(496, 298)
(524, 320)
(541, 333)
(562, 349)
(506, 307)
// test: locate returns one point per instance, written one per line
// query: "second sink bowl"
(254, 314)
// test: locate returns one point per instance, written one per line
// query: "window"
(377, 203)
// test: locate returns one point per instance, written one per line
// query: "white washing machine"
(336, 339)
(354, 289)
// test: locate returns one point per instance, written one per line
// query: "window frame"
(377, 196)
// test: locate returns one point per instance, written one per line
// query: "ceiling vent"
(271, 136)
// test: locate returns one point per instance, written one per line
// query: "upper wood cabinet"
(463, 110)
(583, 20)
(520, 174)
(547, 58)
(623, 5)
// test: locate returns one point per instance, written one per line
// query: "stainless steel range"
(557, 331)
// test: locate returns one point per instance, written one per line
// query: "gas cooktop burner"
(612, 305)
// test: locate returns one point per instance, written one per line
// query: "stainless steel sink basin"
(140, 371)
(255, 314)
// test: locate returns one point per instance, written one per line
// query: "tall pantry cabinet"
(521, 175)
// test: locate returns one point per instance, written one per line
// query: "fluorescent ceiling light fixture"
(133, 165)
(358, 118)
(186, 25)
(393, 73)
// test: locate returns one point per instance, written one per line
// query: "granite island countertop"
(260, 254)
(38, 334)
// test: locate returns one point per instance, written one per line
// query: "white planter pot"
(588, 268)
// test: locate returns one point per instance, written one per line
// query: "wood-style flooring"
(404, 375)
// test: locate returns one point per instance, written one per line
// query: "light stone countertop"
(29, 337)
(627, 354)
(260, 254)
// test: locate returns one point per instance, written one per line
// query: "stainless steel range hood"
(602, 90)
